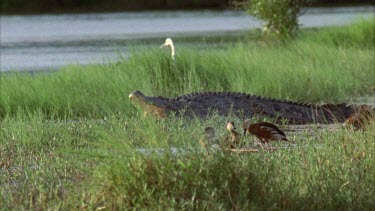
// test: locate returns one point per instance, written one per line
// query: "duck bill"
(162, 46)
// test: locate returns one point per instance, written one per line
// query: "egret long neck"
(172, 54)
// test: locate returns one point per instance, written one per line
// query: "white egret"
(169, 42)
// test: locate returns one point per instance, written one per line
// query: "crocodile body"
(244, 106)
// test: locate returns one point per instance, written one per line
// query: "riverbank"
(70, 140)
(49, 42)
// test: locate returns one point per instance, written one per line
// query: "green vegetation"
(334, 64)
(281, 16)
(69, 140)
(88, 165)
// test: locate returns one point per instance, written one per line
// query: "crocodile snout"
(136, 94)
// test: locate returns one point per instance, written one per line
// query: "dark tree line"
(58, 6)
(41, 6)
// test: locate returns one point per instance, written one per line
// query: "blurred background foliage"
(280, 16)
(71, 6)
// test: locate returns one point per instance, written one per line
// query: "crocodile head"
(156, 106)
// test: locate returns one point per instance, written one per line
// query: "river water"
(47, 42)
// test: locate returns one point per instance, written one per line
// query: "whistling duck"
(264, 131)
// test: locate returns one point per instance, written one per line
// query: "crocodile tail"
(335, 112)
(367, 111)
(362, 115)
(363, 108)
(363, 112)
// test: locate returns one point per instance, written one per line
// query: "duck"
(233, 139)
(208, 138)
(264, 131)
(208, 142)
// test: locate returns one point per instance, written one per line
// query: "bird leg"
(260, 143)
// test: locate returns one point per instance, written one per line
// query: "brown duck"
(264, 131)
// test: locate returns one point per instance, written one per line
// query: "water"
(47, 42)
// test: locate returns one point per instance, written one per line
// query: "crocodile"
(204, 104)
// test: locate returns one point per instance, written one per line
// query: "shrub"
(280, 16)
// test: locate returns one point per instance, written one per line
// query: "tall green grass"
(95, 165)
(335, 176)
(331, 64)
(359, 35)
